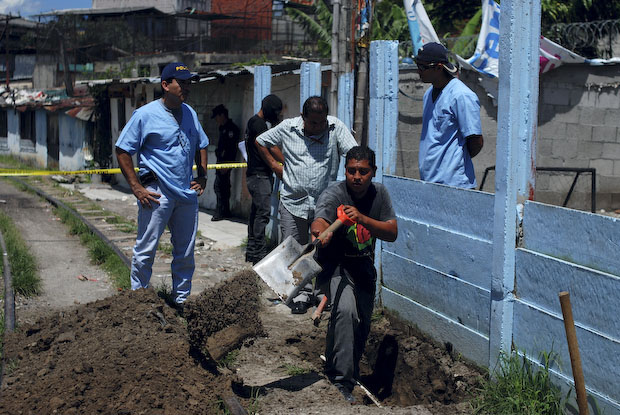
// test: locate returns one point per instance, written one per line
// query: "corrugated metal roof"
(204, 77)
(18, 21)
(108, 11)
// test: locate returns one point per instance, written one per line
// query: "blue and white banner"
(486, 56)
(420, 26)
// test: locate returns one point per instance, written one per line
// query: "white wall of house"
(72, 133)
(41, 144)
(12, 116)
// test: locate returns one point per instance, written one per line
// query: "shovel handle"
(331, 228)
(316, 316)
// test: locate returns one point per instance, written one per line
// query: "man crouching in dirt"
(349, 262)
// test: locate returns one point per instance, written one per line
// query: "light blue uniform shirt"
(310, 164)
(164, 147)
(455, 115)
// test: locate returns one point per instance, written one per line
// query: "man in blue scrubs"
(451, 132)
(166, 136)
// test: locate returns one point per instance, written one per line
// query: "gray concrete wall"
(579, 126)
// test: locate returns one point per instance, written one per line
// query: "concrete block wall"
(578, 127)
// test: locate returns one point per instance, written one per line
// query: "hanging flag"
(486, 56)
(420, 26)
(553, 55)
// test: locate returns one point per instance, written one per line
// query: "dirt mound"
(132, 354)
(219, 319)
(126, 354)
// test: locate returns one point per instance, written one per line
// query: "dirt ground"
(130, 353)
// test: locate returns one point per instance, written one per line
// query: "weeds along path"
(60, 257)
(116, 220)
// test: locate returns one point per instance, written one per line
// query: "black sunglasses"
(425, 67)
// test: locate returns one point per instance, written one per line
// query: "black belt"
(147, 178)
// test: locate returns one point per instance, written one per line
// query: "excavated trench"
(133, 354)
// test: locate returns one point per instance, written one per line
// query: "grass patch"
(165, 247)
(26, 280)
(10, 366)
(377, 315)
(2, 332)
(123, 225)
(99, 252)
(127, 227)
(520, 387)
(164, 291)
(254, 406)
(229, 360)
(10, 162)
(294, 370)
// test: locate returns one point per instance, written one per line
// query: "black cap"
(435, 53)
(272, 106)
(220, 109)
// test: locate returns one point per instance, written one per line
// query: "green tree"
(390, 23)
(318, 25)
(449, 17)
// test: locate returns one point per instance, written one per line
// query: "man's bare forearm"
(127, 168)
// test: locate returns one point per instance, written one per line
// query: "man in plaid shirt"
(312, 145)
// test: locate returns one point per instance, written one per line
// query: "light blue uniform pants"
(182, 220)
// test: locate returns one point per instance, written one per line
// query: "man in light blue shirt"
(166, 136)
(451, 131)
(312, 145)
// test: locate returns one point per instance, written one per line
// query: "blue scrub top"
(164, 147)
(443, 156)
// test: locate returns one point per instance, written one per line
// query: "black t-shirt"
(256, 164)
(226, 150)
(352, 247)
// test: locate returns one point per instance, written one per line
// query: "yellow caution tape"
(18, 172)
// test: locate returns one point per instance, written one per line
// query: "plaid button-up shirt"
(310, 164)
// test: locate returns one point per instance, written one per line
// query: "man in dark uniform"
(259, 176)
(226, 152)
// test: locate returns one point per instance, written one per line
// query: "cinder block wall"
(579, 120)
(578, 126)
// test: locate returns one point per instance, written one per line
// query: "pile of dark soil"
(220, 319)
(133, 354)
(126, 354)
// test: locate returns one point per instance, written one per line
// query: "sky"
(29, 7)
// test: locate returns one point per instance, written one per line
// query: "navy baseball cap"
(178, 70)
(435, 53)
